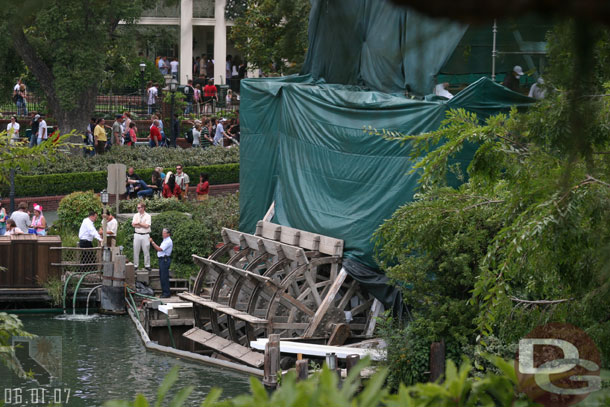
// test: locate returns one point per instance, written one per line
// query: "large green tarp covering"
(304, 146)
(377, 44)
(385, 47)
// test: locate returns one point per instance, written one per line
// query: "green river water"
(102, 358)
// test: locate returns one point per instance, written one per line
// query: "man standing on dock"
(88, 231)
(141, 222)
(164, 253)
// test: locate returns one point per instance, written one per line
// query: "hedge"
(61, 184)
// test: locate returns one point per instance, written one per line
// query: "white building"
(203, 30)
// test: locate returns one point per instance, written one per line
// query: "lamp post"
(104, 199)
(142, 69)
(173, 87)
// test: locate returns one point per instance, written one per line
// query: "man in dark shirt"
(133, 183)
(34, 126)
(512, 79)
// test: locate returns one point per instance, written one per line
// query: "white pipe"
(89, 295)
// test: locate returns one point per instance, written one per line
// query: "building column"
(220, 43)
(186, 41)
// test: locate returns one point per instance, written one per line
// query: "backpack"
(188, 91)
(189, 136)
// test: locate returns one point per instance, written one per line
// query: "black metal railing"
(110, 105)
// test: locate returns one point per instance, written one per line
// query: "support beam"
(220, 43)
(186, 41)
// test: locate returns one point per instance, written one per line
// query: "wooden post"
(302, 369)
(437, 360)
(272, 362)
(351, 361)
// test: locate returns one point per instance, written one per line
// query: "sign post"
(117, 177)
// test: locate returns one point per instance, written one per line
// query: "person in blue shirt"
(164, 252)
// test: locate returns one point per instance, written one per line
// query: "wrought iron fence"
(109, 105)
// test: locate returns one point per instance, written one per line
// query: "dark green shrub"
(138, 157)
(171, 220)
(156, 205)
(191, 237)
(75, 207)
(59, 184)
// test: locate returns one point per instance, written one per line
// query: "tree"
(524, 239)
(272, 35)
(65, 44)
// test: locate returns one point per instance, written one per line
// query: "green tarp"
(304, 146)
(385, 47)
(377, 44)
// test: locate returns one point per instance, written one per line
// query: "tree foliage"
(525, 239)
(324, 389)
(272, 35)
(66, 45)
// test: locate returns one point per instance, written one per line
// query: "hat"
(38, 207)
(223, 119)
(37, 117)
(518, 70)
(119, 116)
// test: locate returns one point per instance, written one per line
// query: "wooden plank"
(307, 240)
(270, 213)
(376, 309)
(226, 267)
(225, 346)
(223, 309)
(267, 245)
(311, 349)
(330, 296)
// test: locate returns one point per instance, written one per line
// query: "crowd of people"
(22, 222)
(167, 185)
(204, 132)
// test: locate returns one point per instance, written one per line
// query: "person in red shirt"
(155, 134)
(210, 94)
(132, 136)
(203, 188)
(170, 188)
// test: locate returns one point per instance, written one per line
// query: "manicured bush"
(139, 157)
(75, 207)
(156, 205)
(59, 184)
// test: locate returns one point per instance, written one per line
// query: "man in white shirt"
(152, 98)
(13, 130)
(537, 91)
(88, 232)
(141, 238)
(22, 217)
(111, 228)
(174, 67)
(42, 130)
(164, 253)
(220, 132)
